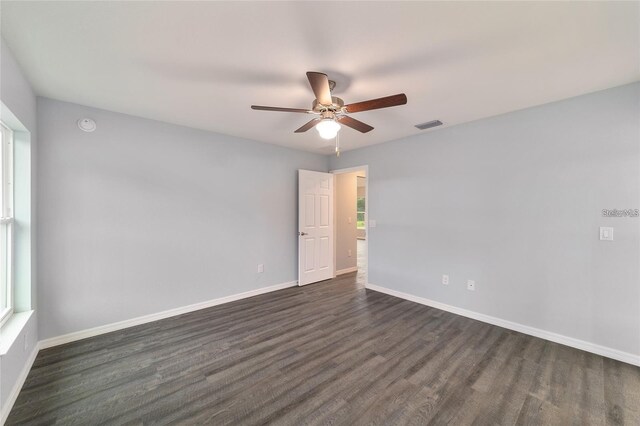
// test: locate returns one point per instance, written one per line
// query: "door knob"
(302, 233)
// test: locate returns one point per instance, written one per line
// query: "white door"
(315, 226)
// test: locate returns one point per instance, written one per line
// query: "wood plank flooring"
(328, 353)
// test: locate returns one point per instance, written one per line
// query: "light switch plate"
(471, 285)
(606, 233)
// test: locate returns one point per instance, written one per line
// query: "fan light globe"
(328, 128)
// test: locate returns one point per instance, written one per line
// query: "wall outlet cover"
(260, 268)
(606, 233)
(445, 279)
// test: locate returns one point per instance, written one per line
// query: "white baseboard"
(532, 331)
(83, 334)
(6, 409)
(346, 270)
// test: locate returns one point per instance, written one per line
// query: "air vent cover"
(429, 124)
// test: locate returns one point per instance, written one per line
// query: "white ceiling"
(202, 64)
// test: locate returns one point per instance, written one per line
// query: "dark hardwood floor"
(328, 353)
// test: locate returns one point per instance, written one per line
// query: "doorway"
(351, 239)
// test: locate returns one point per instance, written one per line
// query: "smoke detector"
(87, 125)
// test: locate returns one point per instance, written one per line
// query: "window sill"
(11, 330)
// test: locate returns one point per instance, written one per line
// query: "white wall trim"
(346, 270)
(83, 334)
(532, 331)
(4, 414)
(12, 329)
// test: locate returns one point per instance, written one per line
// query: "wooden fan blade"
(385, 102)
(308, 126)
(268, 108)
(320, 86)
(354, 124)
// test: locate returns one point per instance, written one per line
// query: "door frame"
(366, 214)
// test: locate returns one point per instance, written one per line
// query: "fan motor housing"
(337, 105)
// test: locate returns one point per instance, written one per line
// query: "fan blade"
(268, 108)
(309, 125)
(320, 86)
(354, 124)
(385, 102)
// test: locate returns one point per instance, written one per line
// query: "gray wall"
(17, 95)
(514, 202)
(142, 216)
(346, 185)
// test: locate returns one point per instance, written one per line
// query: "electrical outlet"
(349, 252)
(471, 285)
(260, 268)
(445, 279)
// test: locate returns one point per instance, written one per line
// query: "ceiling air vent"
(429, 124)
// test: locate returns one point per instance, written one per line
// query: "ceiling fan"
(331, 110)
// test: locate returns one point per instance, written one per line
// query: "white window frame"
(6, 222)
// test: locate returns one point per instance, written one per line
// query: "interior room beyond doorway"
(351, 221)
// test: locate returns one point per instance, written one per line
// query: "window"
(361, 208)
(6, 222)
(361, 211)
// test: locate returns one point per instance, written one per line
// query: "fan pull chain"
(338, 144)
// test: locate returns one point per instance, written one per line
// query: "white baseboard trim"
(83, 334)
(532, 331)
(4, 414)
(346, 270)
